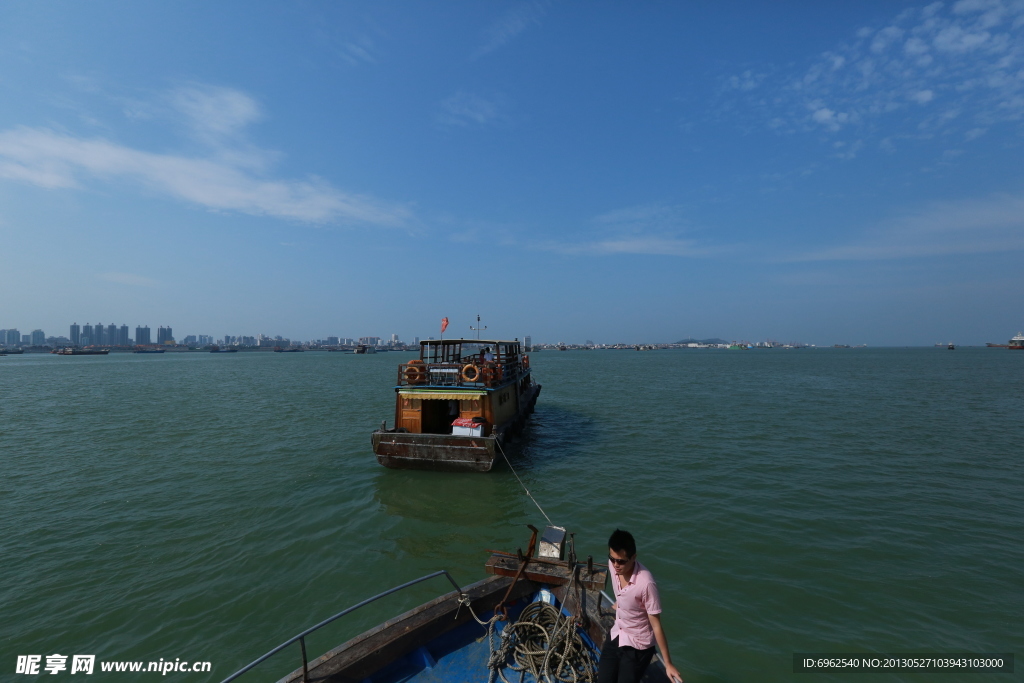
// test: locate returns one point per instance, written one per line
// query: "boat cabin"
(461, 386)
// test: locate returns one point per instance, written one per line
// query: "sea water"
(206, 507)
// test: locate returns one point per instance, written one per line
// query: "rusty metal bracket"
(523, 561)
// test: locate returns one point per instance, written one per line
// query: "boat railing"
(455, 374)
(301, 638)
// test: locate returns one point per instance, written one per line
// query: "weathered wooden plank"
(555, 574)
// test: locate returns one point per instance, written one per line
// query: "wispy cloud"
(215, 113)
(358, 51)
(930, 70)
(654, 246)
(129, 279)
(467, 109)
(229, 178)
(509, 25)
(985, 225)
(653, 229)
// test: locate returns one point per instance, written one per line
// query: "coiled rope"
(542, 642)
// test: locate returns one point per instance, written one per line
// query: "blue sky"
(822, 172)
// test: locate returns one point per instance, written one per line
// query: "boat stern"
(402, 450)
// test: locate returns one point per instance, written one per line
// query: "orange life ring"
(526, 362)
(415, 372)
(470, 373)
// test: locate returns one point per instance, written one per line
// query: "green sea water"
(209, 506)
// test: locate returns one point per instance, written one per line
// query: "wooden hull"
(441, 452)
(402, 450)
(440, 641)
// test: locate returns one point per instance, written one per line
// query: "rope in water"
(502, 450)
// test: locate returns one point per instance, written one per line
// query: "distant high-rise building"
(142, 336)
(97, 334)
(38, 338)
(528, 343)
(416, 341)
(190, 340)
(370, 341)
(111, 334)
(13, 338)
(122, 336)
(26, 339)
(76, 333)
(164, 335)
(86, 337)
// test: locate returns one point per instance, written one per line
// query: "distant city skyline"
(86, 336)
(827, 172)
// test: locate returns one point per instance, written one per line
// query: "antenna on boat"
(478, 328)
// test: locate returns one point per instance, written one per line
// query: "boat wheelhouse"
(456, 404)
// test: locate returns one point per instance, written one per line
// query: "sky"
(617, 172)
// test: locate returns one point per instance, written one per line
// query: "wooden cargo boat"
(540, 616)
(456, 405)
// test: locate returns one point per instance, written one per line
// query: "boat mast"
(478, 328)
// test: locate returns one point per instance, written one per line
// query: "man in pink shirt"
(630, 645)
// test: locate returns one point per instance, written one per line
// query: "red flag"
(444, 325)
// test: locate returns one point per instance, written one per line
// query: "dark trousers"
(622, 664)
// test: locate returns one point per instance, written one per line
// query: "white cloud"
(215, 111)
(465, 109)
(54, 160)
(922, 96)
(358, 51)
(130, 279)
(966, 58)
(511, 24)
(986, 225)
(652, 229)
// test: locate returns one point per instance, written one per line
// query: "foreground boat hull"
(440, 641)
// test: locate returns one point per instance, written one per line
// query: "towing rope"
(496, 441)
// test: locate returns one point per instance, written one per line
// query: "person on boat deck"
(630, 646)
(488, 357)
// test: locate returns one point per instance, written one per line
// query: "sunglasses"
(617, 561)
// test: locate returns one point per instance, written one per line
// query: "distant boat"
(141, 349)
(12, 352)
(1016, 343)
(363, 348)
(69, 351)
(454, 410)
(278, 349)
(217, 349)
